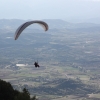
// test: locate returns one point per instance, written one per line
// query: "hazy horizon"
(70, 10)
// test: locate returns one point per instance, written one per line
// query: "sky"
(49, 9)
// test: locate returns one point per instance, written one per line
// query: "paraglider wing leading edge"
(26, 24)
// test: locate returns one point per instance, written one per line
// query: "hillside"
(68, 54)
(53, 24)
(8, 93)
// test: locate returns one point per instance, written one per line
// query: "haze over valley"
(68, 54)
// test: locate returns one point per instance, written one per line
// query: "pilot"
(36, 64)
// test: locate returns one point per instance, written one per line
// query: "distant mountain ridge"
(53, 24)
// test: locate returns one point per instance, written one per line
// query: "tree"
(8, 93)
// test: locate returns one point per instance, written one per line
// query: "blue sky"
(49, 9)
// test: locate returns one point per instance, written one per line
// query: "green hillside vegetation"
(8, 93)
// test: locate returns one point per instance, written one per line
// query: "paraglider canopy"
(26, 24)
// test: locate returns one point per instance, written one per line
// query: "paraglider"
(26, 24)
(36, 64)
